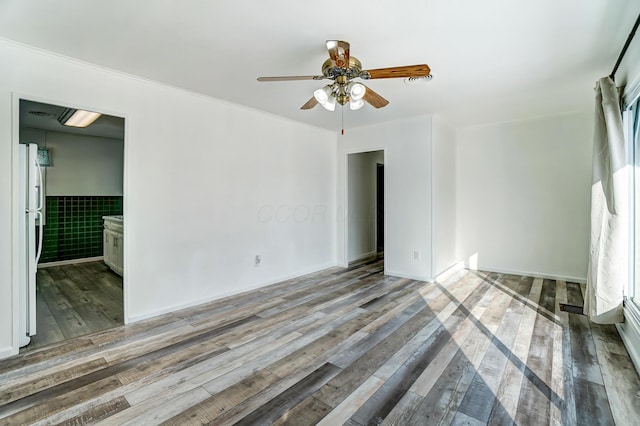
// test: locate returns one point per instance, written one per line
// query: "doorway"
(76, 292)
(365, 205)
(379, 208)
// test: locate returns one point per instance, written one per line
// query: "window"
(632, 133)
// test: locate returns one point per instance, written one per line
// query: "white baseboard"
(7, 352)
(449, 271)
(410, 276)
(69, 262)
(196, 302)
(567, 278)
(363, 256)
(630, 333)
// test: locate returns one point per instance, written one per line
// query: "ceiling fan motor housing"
(330, 70)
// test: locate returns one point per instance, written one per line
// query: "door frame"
(15, 231)
(345, 160)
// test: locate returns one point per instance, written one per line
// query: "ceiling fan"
(343, 68)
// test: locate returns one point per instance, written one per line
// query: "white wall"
(80, 164)
(444, 196)
(208, 185)
(523, 193)
(362, 171)
(407, 192)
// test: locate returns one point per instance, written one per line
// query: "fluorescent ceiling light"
(78, 117)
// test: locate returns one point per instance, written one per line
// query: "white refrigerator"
(31, 200)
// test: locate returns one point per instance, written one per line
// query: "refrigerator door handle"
(40, 191)
(40, 235)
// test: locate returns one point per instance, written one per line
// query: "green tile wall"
(74, 226)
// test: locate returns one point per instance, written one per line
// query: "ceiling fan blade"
(374, 99)
(292, 77)
(339, 52)
(310, 103)
(422, 70)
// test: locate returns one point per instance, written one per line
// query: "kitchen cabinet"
(114, 243)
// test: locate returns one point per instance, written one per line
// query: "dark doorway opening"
(380, 208)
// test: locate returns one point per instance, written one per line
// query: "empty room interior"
(281, 212)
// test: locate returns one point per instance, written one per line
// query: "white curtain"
(609, 249)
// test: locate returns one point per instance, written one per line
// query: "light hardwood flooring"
(343, 346)
(74, 300)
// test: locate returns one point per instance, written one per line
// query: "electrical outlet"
(258, 260)
(416, 255)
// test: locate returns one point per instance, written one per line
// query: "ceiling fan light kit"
(324, 96)
(341, 93)
(356, 90)
(356, 104)
(342, 68)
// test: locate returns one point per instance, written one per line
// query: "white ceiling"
(494, 60)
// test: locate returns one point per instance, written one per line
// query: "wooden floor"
(74, 300)
(344, 346)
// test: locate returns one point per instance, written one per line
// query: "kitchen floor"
(74, 300)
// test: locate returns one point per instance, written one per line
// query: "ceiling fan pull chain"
(342, 114)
